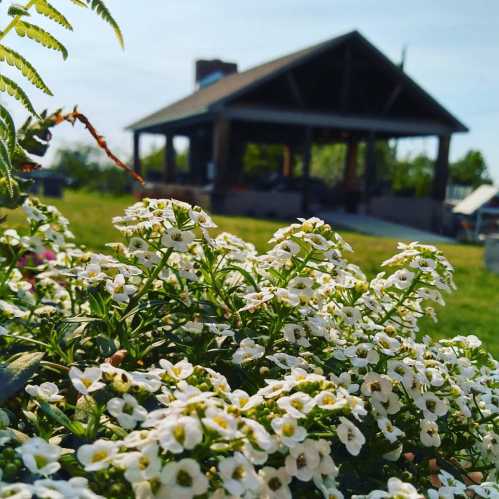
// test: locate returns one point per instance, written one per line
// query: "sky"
(452, 51)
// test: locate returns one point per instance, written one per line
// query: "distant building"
(341, 91)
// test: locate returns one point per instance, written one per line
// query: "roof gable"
(373, 85)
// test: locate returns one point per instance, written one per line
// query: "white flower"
(295, 333)
(142, 465)
(350, 436)
(255, 300)
(401, 279)
(248, 350)
(181, 370)
(274, 483)
(221, 422)
(86, 381)
(238, 475)
(97, 456)
(39, 456)
(429, 434)
(127, 411)
(391, 432)
(119, 290)
(183, 479)
(397, 490)
(297, 405)
(288, 430)
(93, 273)
(179, 240)
(178, 433)
(303, 461)
(432, 406)
(16, 490)
(377, 386)
(47, 392)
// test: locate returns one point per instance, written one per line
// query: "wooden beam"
(287, 161)
(137, 167)
(441, 170)
(170, 173)
(370, 175)
(392, 98)
(389, 126)
(307, 156)
(351, 185)
(295, 89)
(346, 80)
(221, 158)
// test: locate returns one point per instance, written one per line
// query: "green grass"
(473, 309)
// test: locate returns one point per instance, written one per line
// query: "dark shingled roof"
(208, 98)
(204, 98)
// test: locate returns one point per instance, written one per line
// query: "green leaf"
(101, 10)
(14, 59)
(7, 129)
(15, 375)
(59, 417)
(46, 9)
(17, 10)
(80, 3)
(6, 166)
(14, 90)
(40, 36)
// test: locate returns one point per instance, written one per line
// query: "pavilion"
(343, 90)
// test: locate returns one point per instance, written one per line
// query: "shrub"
(183, 365)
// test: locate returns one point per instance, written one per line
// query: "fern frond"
(14, 90)
(41, 36)
(6, 166)
(7, 129)
(46, 9)
(101, 10)
(12, 58)
(80, 3)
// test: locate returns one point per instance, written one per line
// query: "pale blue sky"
(453, 52)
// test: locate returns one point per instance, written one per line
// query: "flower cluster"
(181, 364)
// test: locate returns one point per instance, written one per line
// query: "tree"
(471, 170)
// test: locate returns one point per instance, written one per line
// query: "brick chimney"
(210, 71)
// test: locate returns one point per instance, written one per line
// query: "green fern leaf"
(80, 3)
(6, 166)
(41, 36)
(7, 129)
(45, 9)
(12, 58)
(101, 10)
(14, 90)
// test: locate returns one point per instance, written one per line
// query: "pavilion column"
(307, 156)
(441, 171)
(137, 167)
(440, 179)
(350, 178)
(195, 166)
(170, 172)
(287, 161)
(371, 174)
(221, 157)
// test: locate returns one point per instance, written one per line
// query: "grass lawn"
(473, 309)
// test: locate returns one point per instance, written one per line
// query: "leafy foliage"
(33, 137)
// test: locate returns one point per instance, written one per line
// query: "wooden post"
(221, 153)
(137, 168)
(370, 176)
(350, 179)
(440, 179)
(307, 156)
(441, 171)
(287, 161)
(195, 173)
(170, 173)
